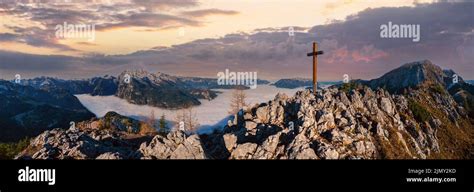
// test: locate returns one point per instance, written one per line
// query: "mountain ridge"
(413, 74)
(425, 75)
(31, 111)
(155, 89)
(292, 83)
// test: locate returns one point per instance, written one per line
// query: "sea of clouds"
(210, 114)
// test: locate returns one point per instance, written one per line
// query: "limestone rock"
(244, 151)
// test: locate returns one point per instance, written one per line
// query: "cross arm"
(315, 53)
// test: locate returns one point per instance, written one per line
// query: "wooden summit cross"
(315, 54)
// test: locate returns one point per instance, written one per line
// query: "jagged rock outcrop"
(425, 75)
(112, 137)
(411, 75)
(176, 145)
(79, 144)
(110, 144)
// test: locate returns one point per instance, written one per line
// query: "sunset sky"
(203, 37)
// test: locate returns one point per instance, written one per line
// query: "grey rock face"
(175, 146)
(244, 151)
(230, 141)
(76, 144)
(109, 156)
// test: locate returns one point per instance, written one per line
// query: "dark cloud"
(8, 37)
(104, 14)
(52, 16)
(86, 43)
(207, 12)
(152, 20)
(32, 65)
(282, 29)
(351, 47)
(35, 37)
(48, 17)
(166, 3)
(447, 31)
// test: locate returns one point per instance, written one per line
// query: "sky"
(204, 37)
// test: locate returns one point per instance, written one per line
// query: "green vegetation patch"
(9, 150)
(347, 87)
(420, 112)
(438, 89)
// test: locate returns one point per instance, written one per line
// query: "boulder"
(244, 151)
(230, 141)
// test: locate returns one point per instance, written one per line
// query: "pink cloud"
(368, 53)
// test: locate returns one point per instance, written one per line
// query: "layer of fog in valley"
(210, 114)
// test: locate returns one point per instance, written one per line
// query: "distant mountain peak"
(156, 77)
(412, 75)
(292, 83)
(156, 89)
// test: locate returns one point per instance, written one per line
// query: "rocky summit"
(414, 74)
(359, 124)
(112, 137)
